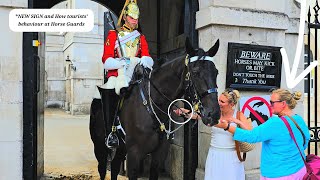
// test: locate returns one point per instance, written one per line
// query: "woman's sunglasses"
(272, 102)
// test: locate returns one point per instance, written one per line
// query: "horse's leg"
(134, 158)
(116, 162)
(115, 167)
(141, 169)
(97, 133)
(157, 159)
(101, 155)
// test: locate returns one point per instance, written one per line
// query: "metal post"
(158, 29)
(315, 92)
(316, 27)
(190, 129)
(315, 129)
(309, 14)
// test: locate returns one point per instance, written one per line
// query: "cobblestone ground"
(68, 149)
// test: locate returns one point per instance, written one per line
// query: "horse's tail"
(97, 133)
(96, 126)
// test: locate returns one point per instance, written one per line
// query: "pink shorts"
(296, 176)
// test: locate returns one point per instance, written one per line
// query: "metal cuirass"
(129, 42)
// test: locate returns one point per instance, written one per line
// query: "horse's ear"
(189, 48)
(213, 50)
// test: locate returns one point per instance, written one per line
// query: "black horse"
(195, 74)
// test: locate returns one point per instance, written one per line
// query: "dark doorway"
(176, 21)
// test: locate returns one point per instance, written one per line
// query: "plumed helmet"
(130, 8)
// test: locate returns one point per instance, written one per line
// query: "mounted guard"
(124, 48)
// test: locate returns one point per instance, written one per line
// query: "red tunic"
(110, 51)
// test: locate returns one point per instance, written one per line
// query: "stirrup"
(112, 141)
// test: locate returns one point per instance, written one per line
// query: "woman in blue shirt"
(280, 158)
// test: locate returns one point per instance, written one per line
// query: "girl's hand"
(181, 111)
(186, 113)
(235, 120)
(222, 123)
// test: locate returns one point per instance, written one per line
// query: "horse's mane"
(162, 62)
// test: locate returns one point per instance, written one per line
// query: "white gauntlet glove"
(146, 62)
(114, 63)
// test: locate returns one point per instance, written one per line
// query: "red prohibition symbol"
(256, 98)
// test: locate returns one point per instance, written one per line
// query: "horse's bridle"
(196, 99)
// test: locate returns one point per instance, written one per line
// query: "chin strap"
(127, 28)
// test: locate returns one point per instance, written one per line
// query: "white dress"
(222, 161)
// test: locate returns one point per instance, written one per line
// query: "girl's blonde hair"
(232, 95)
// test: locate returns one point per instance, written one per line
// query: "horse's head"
(203, 83)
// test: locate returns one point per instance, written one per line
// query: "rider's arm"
(109, 62)
(146, 60)
(109, 44)
(144, 46)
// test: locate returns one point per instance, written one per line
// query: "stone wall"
(55, 71)
(55, 89)
(71, 84)
(10, 95)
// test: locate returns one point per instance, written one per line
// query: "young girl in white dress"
(222, 161)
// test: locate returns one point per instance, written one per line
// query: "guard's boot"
(109, 100)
